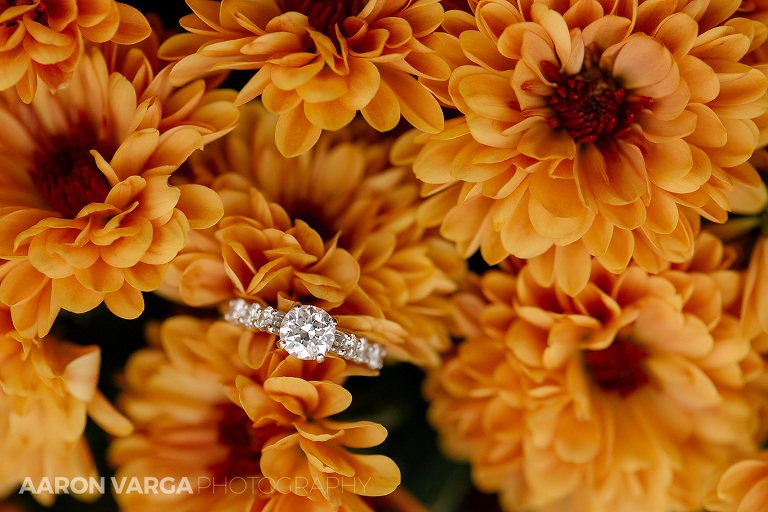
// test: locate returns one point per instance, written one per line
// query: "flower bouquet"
(384, 255)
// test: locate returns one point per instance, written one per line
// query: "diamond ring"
(306, 332)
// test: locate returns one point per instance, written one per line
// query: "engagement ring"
(306, 332)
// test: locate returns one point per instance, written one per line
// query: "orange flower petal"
(27, 85)
(640, 51)
(710, 131)
(552, 226)
(253, 88)
(488, 94)
(742, 138)
(127, 302)
(133, 28)
(126, 251)
(416, 104)
(174, 147)
(628, 216)
(381, 474)
(43, 53)
(15, 222)
(290, 78)
(383, 111)
(620, 250)
(45, 255)
(294, 133)
(134, 152)
(75, 297)
(164, 198)
(325, 86)
(364, 82)
(107, 417)
(20, 282)
(204, 283)
(520, 238)
(201, 206)
(573, 268)
(700, 78)
(15, 64)
(278, 101)
(101, 26)
(100, 277)
(330, 115)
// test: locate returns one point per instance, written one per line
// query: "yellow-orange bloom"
(87, 214)
(320, 62)
(44, 38)
(590, 130)
(335, 227)
(743, 487)
(47, 390)
(221, 406)
(757, 56)
(629, 396)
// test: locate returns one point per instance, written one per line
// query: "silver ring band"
(307, 332)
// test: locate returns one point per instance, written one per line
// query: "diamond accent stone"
(376, 357)
(361, 350)
(237, 311)
(265, 318)
(252, 316)
(338, 343)
(307, 332)
(349, 346)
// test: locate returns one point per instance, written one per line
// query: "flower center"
(66, 174)
(244, 441)
(593, 108)
(324, 15)
(617, 368)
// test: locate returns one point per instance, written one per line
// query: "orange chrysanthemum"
(47, 390)
(743, 487)
(335, 227)
(629, 396)
(219, 405)
(591, 129)
(757, 56)
(87, 214)
(44, 38)
(320, 62)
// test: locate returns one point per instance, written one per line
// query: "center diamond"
(307, 332)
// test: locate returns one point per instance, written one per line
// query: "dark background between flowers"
(393, 398)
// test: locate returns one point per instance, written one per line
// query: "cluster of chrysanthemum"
(247, 425)
(90, 136)
(48, 389)
(632, 395)
(612, 359)
(336, 227)
(102, 200)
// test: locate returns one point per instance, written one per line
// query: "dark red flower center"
(593, 108)
(66, 174)
(618, 368)
(324, 15)
(244, 441)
